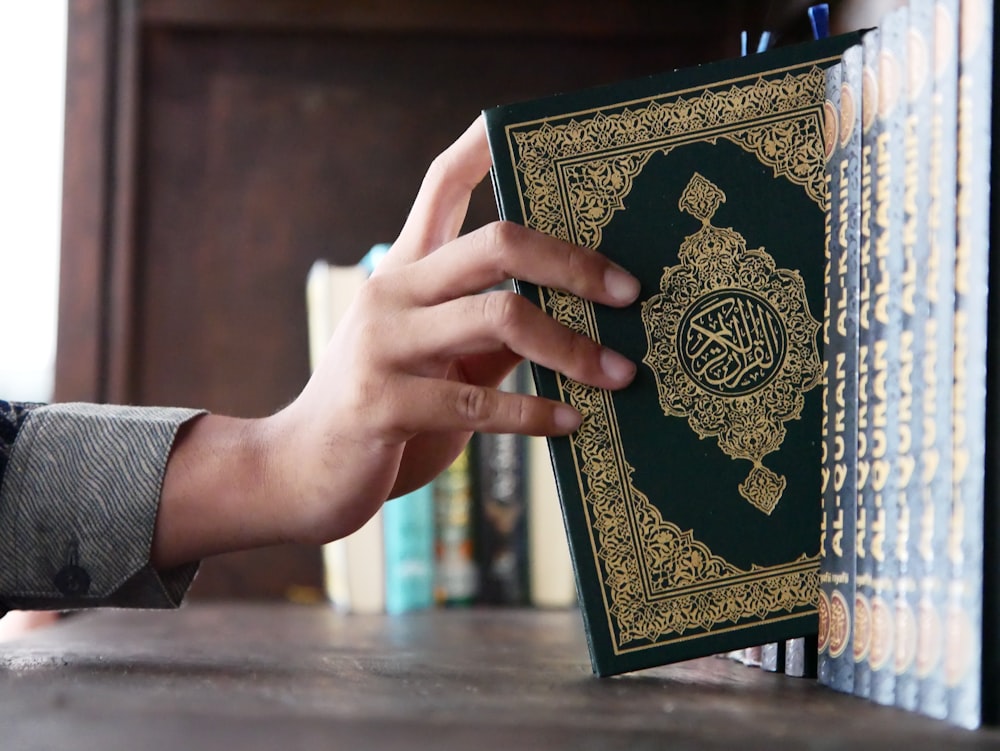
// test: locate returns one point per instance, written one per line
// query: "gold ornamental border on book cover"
(660, 583)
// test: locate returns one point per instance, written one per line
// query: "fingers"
(498, 321)
(441, 204)
(438, 405)
(502, 251)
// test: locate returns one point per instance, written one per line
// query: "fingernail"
(620, 284)
(567, 418)
(616, 367)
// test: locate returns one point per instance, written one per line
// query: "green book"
(692, 498)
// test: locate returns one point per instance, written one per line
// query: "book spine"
(916, 202)
(408, 526)
(455, 569)
(847, 312)
(836, 666)
(884, 397)
(963, 625)
(939, 339)
(502, 539)
(865, 512)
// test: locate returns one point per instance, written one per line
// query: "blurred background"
(32, 79)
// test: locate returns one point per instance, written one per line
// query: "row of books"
(488, 530)
(903, 575)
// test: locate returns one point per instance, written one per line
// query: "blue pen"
(819, 17)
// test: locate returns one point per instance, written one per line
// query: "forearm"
(219, 493)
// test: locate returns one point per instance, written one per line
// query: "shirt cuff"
(78, 506)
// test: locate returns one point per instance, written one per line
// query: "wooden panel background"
(214, 150)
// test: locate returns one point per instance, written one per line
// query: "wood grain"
(260, 677)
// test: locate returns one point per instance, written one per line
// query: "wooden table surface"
(277, 677)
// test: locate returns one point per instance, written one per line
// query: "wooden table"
(284, 678)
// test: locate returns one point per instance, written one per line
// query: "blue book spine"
(408, 529)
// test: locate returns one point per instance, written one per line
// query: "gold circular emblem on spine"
(830, 127)
(888, 84)
(944, 44)
(972, 26)
(823, 611)
(917, 64)
(929, 638)
(862, 627)
(882, 634)
(958, 637)
(869, 98)
(847, 113)
(840, 624)
(906, 637)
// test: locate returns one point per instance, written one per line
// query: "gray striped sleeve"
(78, 505)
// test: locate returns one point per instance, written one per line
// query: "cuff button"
(72, 580)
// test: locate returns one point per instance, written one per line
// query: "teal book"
(692, 498)
(408, 528)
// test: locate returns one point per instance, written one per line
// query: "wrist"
(218, 493)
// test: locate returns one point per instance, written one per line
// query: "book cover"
(867, 521)
(971, 662)
(692, 498)
(913, 309)
(939, 340)
(835, 657)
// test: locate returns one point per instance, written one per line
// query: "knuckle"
(440, 168)
(501, 309)
(579, 263)
(475, 404)
(376, 289)
(497, 241)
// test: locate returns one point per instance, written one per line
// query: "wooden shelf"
(266, 677)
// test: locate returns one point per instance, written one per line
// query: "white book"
(353, 567)
(552, 581)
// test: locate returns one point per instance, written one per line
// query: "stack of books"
(908, 530)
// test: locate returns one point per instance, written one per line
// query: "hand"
(412, 369)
